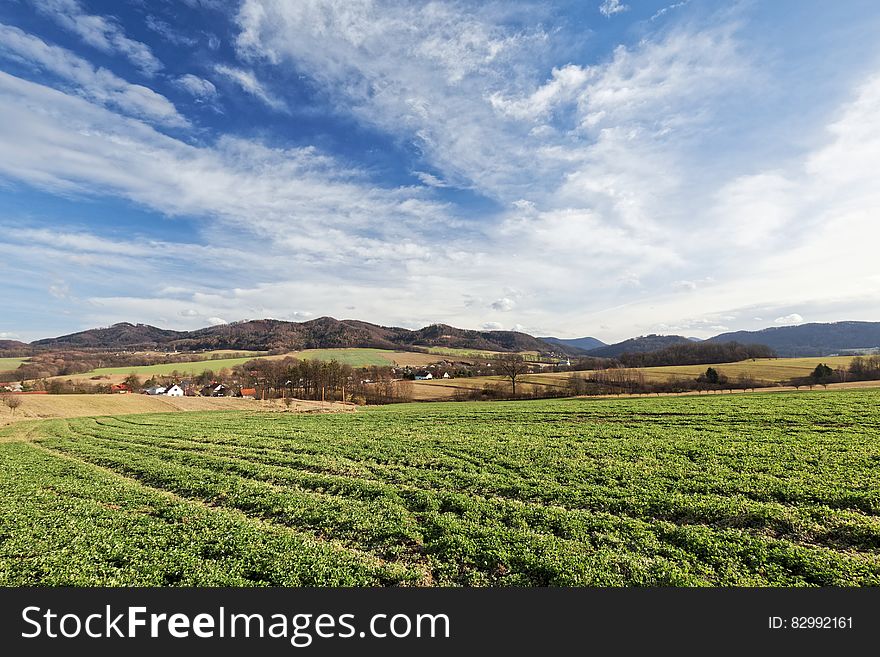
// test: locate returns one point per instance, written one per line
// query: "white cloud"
(248, 82)
(100, 32)
(170, 34)
(198, 87)
(60, 290)
(565, 85)
(99, 85)
(216, 321)
(610, 7)
(503, 305)
(492, 326)
(430, 179)
(793, 318)
(665, 10)
(616, 178)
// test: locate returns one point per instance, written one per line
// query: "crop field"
(770, 370)
(186, 367)
(368, 357)
(35, 407)
(9, 364)
(746, 489)
(473, 353)
(353, 357)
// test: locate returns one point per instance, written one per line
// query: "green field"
(471, 353)
(186, 367)
(9, 364)
(765, 370)
(353, 357)
(744, 489)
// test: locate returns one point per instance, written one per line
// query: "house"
(155, 390)
(446, 375)
(249, 393)
(120, 389)
(424, 376)
(213, 390)
(173, 391)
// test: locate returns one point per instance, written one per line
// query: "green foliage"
(735, 490)
(822, 372)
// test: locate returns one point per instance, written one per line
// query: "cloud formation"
(632, 191)
(248, 83)
(100, 32)
(96, 84)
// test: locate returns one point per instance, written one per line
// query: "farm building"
(120, 389)
(174, 391)
(213, 390)
(155, 390)
(249, 393)
(424, 376)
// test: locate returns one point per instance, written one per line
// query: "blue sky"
(563, 168)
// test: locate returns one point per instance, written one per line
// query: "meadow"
(767, 370)
(9, 364)
(353, 357)
(749, 489)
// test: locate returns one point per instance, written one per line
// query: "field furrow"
(750, 489)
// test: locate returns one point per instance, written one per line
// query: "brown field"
(769, 370)
(40, 407)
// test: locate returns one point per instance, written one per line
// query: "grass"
(770, 370)
(716, 491)
(472, 353)
(193, 367)
(353, 357)
(357, 357)
(9, 364)
(36, 407)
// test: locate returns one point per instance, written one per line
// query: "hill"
(581, 344)
(118, 336)
(640, 345)
(278, 335)
(810, 339)
(13, 345)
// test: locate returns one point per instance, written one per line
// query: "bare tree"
(12, 402)
(512, 366)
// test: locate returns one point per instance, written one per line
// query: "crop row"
(766, 489)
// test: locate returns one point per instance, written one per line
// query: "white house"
(173, 391)
(446, 375)
(424, 376)
(155, 390)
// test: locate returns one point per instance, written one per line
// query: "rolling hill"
(14, 348)
(810, 339)
(583, 344)
(277, 335)
(640, 345)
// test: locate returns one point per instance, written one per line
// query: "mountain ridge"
(813, 339)
(320, 333)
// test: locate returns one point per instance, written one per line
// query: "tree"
(512, 365)
(12, 402)
(822, 374)
(712, 375)
(133, 381)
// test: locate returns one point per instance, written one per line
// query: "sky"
(609, 168)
